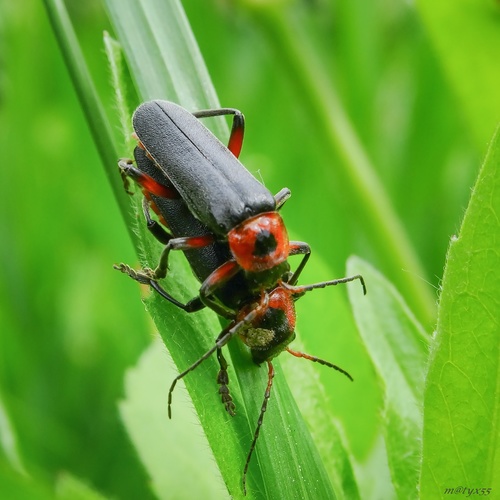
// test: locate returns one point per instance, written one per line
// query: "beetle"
(205, 260)
(265, 321)
(221, 193)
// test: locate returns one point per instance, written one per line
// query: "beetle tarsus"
(144, 277)
(223, 381)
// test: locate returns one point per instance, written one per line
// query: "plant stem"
(90, 102)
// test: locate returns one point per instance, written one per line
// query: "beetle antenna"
(224, 337)
(222, 340)
(315, 359)
(267, 395)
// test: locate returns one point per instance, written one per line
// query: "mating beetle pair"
(230, 230)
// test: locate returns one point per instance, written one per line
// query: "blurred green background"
(70, 327)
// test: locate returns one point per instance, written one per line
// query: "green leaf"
(398, 347)
(69, 487)
(462, 402)
(168, 449)
(467, 40)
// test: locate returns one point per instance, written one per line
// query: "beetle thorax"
(259, 243)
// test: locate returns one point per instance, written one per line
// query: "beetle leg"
(223, 381)
(146, 182)
(184, 243)
(237, 130)
(123, 174)
(156, 229)
(299, 248)
(191, 306)
(146, 277)
(217, 279)
(281, 197)
(214, 281)
(255, 314)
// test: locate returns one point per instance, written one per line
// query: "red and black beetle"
(220, 192)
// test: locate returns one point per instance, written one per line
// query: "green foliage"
(398, 347)
(461, 398)
(376, 116)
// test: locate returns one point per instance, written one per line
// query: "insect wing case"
(218, 189)
(182, 223)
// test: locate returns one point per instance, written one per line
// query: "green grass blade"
(462, 403)
(117, 64)
(165, 63)
(162, 54)
(398, 347)
(89, 99)
(318, 406)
